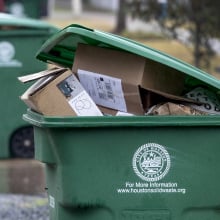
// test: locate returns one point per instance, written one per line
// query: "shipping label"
(105, 90)
(78, 98)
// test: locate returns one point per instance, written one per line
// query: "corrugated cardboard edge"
(31, 98)
(41, 82)
(41, 74)
(174, 97)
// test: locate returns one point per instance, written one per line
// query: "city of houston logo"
(151, 162)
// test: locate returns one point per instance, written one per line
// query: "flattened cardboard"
(47, 96)
(153, 97)
(41, 74)
(133, 70)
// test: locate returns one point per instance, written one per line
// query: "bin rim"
(81, 34)
(13, 21)
(40, 120)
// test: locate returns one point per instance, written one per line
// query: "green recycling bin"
(19, 41)
(127, 168)
(24, 8)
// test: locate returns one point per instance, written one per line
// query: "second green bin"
(24, 8)
(128, 168)
(20, 38)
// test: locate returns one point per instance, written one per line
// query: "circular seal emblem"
(151, 162)
(7, 51)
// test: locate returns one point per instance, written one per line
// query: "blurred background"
(185, 29)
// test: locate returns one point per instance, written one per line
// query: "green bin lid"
(61, 47)
(8, 20)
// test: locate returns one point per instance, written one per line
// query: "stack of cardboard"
(58, 92)
(103, 81)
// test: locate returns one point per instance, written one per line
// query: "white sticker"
(104, 90)
(83, 105)
(78, 98)
(52, 202)
(124, 114)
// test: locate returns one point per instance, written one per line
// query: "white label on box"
(104, 90)
(124, 114)
(78, 98)
(83, 105)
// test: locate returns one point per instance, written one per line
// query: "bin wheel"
(22, 143)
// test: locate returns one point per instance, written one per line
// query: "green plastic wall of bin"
(24, 8)
(127, 168)
(19, 41)
(93, 166)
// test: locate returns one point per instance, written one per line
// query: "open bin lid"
(61, 47)
(12, 22)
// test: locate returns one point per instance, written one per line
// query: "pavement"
(23, 207)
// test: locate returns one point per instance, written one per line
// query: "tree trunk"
(121, 17)
(51, 8)
(76, 6)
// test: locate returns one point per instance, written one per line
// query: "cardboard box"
(58, 93)
(170, 108)
(113, 78)
(152, 97)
